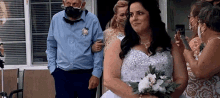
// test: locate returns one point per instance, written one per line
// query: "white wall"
(177, 12)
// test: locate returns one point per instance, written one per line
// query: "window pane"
(40, 16)
(12, 31)
(55, 7)
(14, 8)
(56, 0)
(39, 48)
(33, 1)
(41, 13)
(15, 53)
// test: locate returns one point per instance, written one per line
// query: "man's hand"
(93, 82)
(97, 46)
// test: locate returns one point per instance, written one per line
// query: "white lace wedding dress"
(136, 63)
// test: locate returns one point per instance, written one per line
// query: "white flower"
(143, 84)
(85, 31)
(157, 86)
(147, 82)
(152, 79)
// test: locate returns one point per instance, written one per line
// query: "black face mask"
(73, 12)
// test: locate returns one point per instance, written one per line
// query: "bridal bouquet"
(154, 83)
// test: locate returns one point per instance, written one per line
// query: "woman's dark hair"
(197, 6)
(210, 15)
(159, 36)
(195, 9)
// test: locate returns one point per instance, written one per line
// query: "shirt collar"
(83, 16)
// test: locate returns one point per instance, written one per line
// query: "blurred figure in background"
(117, 22)
(203, 65)
(115, 26)
(195, 42)
(3, 16)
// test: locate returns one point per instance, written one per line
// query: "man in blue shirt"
(75, 68)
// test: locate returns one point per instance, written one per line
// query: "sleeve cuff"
(51, 69)
(97, 73)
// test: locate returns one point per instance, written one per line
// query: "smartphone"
(181, 28)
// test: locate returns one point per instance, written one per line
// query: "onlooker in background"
(76, 70)
(3, 16)
(117, 23)
(194, 42)
(203, 79)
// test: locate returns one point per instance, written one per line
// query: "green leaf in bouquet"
(176, 85)
(136, 92)
(146, 73)
(159, 73)
(164, 84)
(167, 78)
(134, 86)
(152, 70)
(147, 90)
(171, 89)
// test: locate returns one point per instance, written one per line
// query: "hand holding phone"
(186, 44)
(181, 29)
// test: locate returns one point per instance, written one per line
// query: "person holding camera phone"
(203, 68)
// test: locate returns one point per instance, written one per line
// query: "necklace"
(145, 44)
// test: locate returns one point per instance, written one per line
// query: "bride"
(145, 43)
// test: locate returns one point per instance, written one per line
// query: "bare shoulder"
(214, 44)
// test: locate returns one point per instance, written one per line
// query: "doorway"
(105, 11)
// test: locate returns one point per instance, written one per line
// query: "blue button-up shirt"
(69, 47)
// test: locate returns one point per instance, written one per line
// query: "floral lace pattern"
(109, 36)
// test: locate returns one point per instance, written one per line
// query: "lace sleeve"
(108, 35)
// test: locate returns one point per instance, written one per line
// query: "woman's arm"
(208, 63)
(180, 75)
(112, 72)
(195, 45)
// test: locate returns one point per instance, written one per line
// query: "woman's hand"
(179, 42)
(97, 46)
